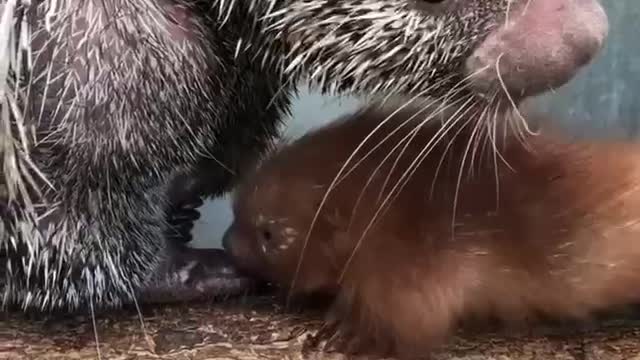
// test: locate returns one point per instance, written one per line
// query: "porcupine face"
(425, 48)
(274, 208)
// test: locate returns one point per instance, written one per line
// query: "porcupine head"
(499, 50)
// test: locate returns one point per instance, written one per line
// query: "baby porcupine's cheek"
(239, 249)
(541, 47)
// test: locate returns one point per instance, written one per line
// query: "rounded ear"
(334, 218)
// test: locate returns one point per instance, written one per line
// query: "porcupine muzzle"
(542, 46)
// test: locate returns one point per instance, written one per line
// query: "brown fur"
(553, 232)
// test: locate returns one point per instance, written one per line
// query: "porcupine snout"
(540, 46)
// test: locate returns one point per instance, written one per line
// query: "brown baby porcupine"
(434, 222)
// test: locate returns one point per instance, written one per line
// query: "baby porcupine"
(429, 225)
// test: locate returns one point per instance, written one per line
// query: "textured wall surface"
(604, 100)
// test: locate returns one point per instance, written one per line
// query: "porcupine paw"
(181, 218)
(185, 197)
(339, 335)
(196, 274)
(329, 338)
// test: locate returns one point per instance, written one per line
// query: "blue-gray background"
(604, 98)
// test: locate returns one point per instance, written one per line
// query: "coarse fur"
(105, 102)
(436, 222)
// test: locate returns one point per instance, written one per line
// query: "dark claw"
(184, 201)
(185, 214)
(327, 331)
(340, 336)
(331, 333)
(338, 342)
(196, 274)
(181, 221)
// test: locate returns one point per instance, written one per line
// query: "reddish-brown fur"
(556, 232)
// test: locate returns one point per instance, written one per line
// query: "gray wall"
(604, 100)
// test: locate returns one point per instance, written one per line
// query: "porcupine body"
(105, 102)
(119, 97)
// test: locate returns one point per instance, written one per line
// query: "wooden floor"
(258, 329)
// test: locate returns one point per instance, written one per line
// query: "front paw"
(341, 335)
(196, 274)
(185, 198)
(181, 221)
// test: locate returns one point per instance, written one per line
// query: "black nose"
(226, 239)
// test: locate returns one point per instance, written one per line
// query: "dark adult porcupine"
(104, 102)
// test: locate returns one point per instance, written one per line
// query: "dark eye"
(266, 234)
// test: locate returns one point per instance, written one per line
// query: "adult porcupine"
(104, 101)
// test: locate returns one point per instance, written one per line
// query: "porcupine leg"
(340, 335)
(194, 273)
(197, 272)
(115, 122)
(184, 200)
(190, 273)
(132, 263)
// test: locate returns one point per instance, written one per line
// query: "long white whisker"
(449, 125)
(95, 327)
(333, 184)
